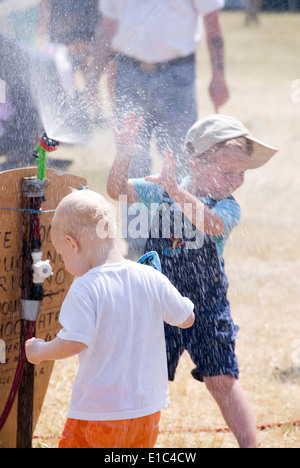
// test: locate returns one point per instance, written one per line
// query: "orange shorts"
(126, 433)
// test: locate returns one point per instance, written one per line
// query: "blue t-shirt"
(151, 195)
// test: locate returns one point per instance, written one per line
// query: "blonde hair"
(85, 212)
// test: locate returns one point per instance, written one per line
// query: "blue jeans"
(166, 99)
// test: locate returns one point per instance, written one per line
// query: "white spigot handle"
(41, 268)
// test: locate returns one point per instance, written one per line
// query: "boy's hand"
(167, 178)
(33, 349)
(126, 137)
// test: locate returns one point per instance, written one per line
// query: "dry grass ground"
(262, 257)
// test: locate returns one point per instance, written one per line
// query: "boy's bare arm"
(189, 322)
(38, 350)
(201, 216)
(218, 88)
(126, 145)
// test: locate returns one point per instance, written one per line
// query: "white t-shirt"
(118, 311)
(155, 31)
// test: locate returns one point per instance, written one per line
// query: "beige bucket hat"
(218, 128)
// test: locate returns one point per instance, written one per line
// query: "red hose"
(193, 430)
(18, 376)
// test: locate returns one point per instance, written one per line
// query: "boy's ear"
(73, 242)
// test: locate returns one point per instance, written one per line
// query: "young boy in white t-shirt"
(113, 318)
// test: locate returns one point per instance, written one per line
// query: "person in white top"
(154, 43)
(113, 318)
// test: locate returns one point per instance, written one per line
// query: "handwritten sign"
(55, 287)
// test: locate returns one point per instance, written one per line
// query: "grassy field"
(262, 256)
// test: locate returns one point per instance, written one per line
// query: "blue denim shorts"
(211, 347)
(166, 100)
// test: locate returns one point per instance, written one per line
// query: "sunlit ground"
(262, 257)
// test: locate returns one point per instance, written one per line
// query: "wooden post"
(26, 389)
(25, 400)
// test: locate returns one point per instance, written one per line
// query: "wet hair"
(85, 213)
(242, 143)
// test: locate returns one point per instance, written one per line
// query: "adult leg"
(21, 131)
(235, 408)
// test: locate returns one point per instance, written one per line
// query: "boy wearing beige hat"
(201, 213)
